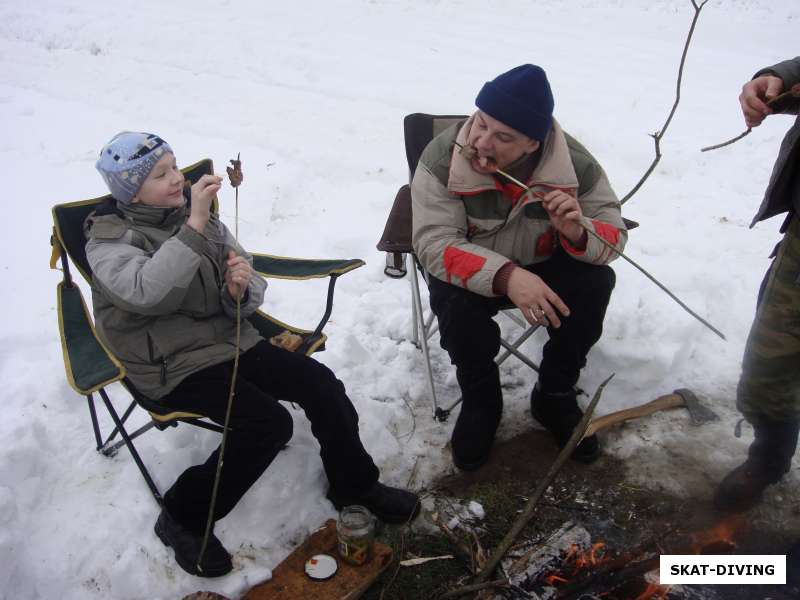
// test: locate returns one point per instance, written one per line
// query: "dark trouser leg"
(586, 290)
(472, 339)
(334, 421)
(260, 427)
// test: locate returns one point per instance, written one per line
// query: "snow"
(313, 94)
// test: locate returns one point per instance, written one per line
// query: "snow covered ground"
(318, 91)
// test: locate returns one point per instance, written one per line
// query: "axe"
(698, 413)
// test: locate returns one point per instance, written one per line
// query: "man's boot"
(481, 409)
(769, 459)
(559, 413)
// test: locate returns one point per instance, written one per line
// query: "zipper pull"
(163, 371)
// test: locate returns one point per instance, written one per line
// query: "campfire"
(569, 564)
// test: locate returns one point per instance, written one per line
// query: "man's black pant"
(472, 338)
(261, 426)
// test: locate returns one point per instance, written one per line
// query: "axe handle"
(661, 403)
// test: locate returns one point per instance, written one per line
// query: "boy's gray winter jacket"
(158, 289)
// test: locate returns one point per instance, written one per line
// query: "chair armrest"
(284, 267)
(397, 232)
(90, 366)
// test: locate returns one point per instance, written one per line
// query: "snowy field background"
(318, 90)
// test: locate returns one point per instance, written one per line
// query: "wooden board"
(290, 582)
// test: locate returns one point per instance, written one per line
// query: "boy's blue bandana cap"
(126, 161)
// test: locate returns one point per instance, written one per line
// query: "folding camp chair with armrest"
(91, 367)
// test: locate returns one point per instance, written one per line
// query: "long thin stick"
(654, 280)
(660, 134)
(588, 230)
(792, 93)
(221, 458)
(530, 506)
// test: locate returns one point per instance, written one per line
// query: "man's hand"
(755, 94)
(539, 304)
(203, 193)
(565, 215)
(238, 275)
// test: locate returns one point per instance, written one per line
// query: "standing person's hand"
(539, 304)
(203, 194)
(755, 94)
(238, 275)
(565, 214)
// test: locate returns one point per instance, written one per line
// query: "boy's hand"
(203, 193)
(238, 275)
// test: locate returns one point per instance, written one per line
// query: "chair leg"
(513, 350)
(110, 449)
(95, 426)
(420, 329)
(149, 480)
(515, 345)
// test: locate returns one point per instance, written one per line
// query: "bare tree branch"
(660, 134)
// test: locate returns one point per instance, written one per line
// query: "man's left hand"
(238, 275)
(565, 214)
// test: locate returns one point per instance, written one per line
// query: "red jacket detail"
(461, 264)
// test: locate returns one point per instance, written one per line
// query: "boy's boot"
(769, 459)
(481, 409)
(186, 544)
(389, 504)
(559, 413)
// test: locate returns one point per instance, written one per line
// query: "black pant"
(472, 338)
(261, 426)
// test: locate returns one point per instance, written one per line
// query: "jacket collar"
(554, 170)
(152, 215)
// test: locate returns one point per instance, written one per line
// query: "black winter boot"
(481, 409)
(559, 413)
(389, 504)
(769, 459)
(186, 544)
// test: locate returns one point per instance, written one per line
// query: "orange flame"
(720, 533)
(554, 579)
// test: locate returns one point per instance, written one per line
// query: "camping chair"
(91, 367)
(419, 130)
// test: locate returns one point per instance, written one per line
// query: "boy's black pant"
(472, 338)
(261, 426)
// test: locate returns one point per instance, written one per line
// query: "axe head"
(698, 413)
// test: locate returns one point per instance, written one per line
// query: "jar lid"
(321, 567)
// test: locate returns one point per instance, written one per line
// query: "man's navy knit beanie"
(520, 98)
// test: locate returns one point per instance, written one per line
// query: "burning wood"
(527, 564)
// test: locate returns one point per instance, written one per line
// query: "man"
(768, 394)
(486, 241)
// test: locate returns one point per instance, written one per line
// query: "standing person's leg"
(352, 475)
(472, 339)
(768, 394)
(586, 290)
(259, 428)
